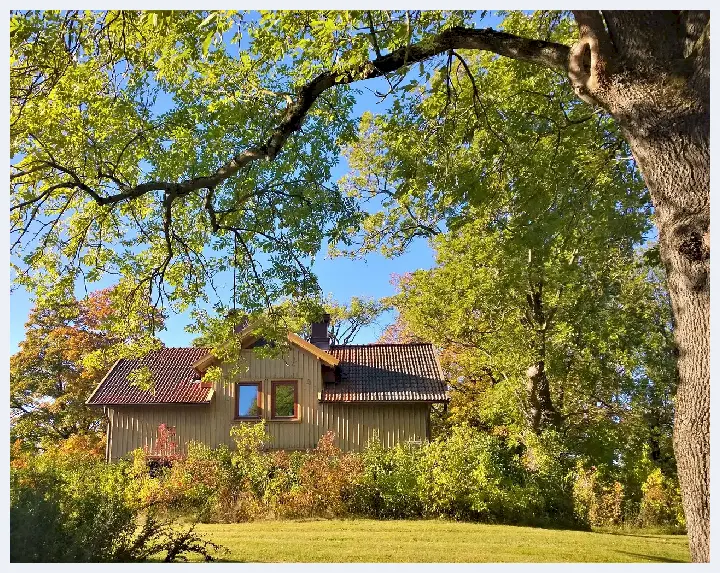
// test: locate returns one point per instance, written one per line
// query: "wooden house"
(354, 390)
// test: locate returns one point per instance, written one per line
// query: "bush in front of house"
(66, 507)
(250, 482)
(388, 485)
(477, 476)
(323, 482)
(468, 474)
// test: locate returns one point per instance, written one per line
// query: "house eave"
(88, 401)
(133, 404)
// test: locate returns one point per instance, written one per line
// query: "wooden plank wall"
(353, 424)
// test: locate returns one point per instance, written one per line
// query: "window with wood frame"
(284, 400)
(247, 401)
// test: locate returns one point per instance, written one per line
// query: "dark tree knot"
(694, 249)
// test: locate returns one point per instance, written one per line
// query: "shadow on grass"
(653, 558)
(663, 536)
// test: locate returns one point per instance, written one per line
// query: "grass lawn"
(433, 541)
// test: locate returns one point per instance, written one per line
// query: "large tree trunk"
(651, 71)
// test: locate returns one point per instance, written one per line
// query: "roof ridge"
(184, 348)
(375, 344)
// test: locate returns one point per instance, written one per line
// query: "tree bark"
(542, 413)
(650, 71)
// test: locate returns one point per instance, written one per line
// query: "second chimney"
(319, 333)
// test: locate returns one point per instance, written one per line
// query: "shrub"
(71, 509)
(388, 487)
(325, 481)
(466, 474)
(548, 482)
(599, 500)
(253, 466)
(661, 504)
(462, 477)
(164, 451)
(476, 476)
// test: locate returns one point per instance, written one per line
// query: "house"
(354, 390)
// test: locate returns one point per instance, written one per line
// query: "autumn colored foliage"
(68, 347)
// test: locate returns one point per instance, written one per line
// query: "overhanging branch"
(547, 54)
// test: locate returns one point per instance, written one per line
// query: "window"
(247, 401)
(284, 400)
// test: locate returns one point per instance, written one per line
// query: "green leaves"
(142, 378)
(534, 219)
(138, 103)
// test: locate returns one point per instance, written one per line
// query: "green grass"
(434, 541)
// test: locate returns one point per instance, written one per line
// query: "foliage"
(69, 346)
(68, 508)
(346, 319)
(250, 482)
(399, 331)
(274, 323)
(596, 500)
(389, 484)
(469, 476)
(492, 134)
(490, 162)
(603, 501)
(472, 475)
(116, 130)
(661, 504)
(325, 481)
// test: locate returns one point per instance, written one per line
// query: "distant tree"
(68, 347)
(399, 331)
(347, 319)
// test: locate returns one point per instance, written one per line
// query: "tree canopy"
(68, 347)
(107, 112)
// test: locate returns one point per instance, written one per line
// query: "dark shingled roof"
(386, 372)
(173, 375)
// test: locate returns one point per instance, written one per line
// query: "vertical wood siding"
(134, 427)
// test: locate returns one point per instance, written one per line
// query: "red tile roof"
(173, 376)
(386, 372)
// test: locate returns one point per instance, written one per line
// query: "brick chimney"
(319, 333)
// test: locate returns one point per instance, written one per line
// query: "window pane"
(247, 401)
(285, 400)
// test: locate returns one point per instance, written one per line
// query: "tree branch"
(548, 54)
